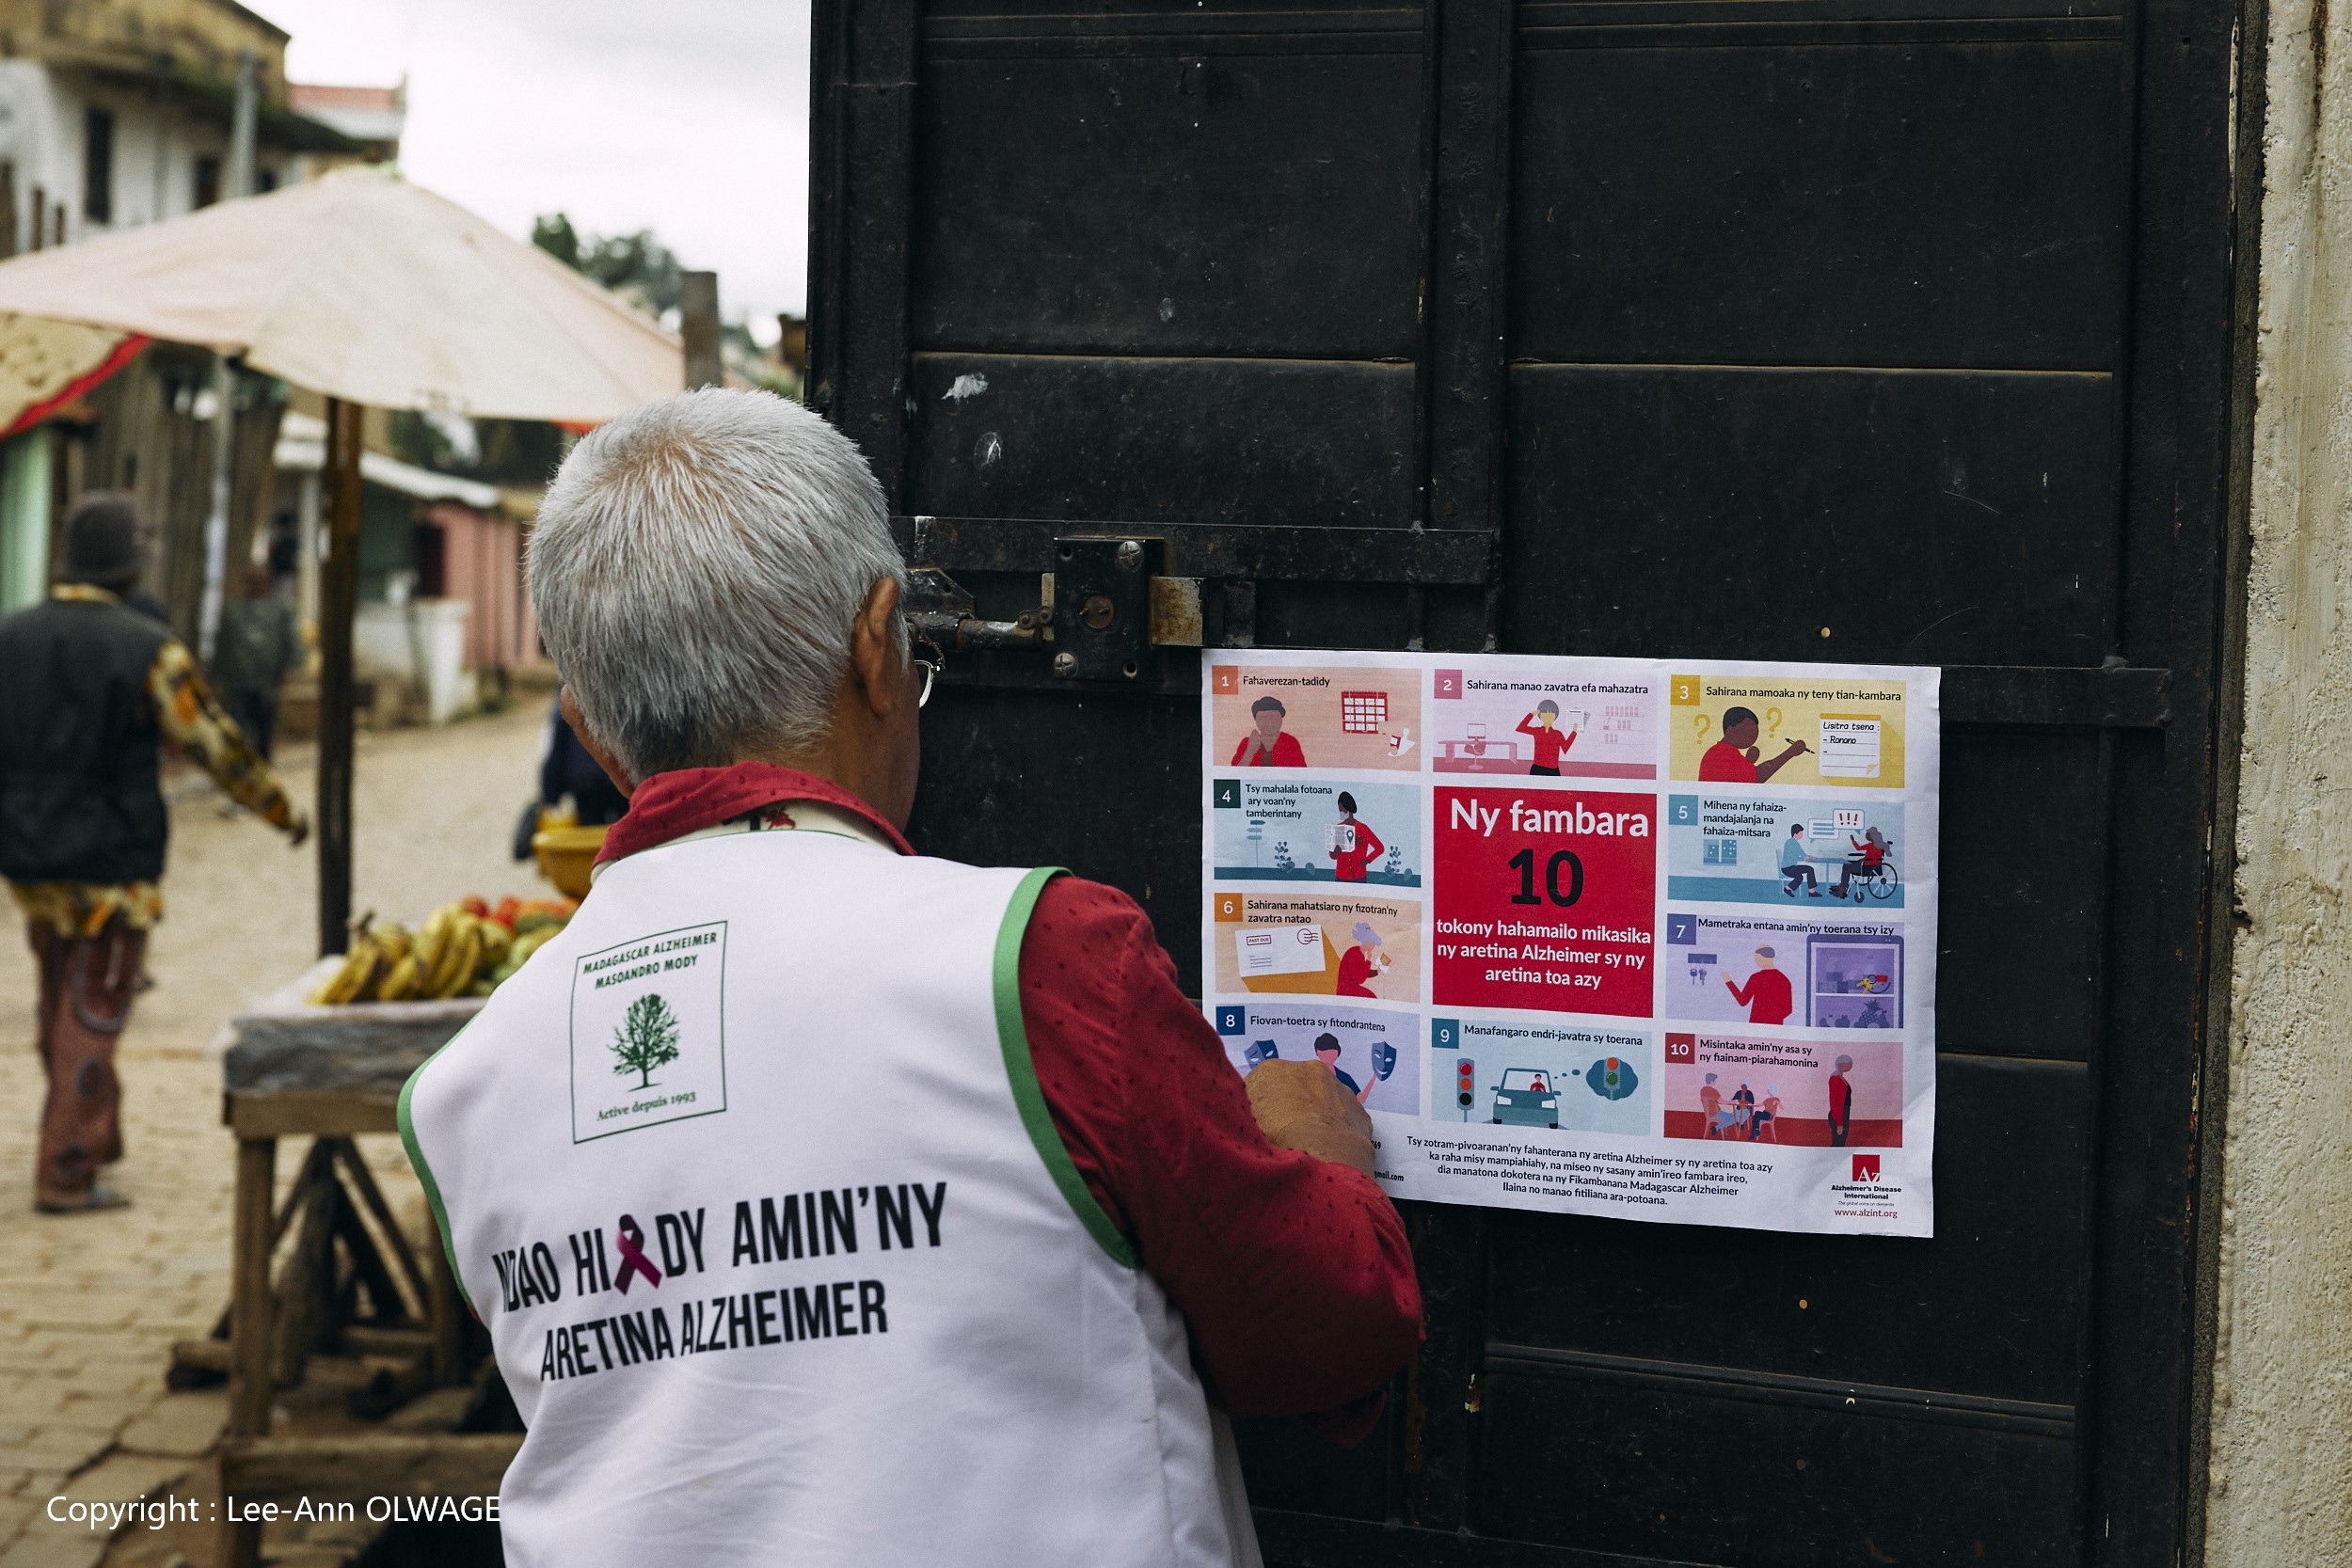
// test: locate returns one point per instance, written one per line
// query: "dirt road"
(89, 1305)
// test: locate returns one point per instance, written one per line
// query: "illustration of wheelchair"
(1872, 881)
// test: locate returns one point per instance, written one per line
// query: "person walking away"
(258, 643)
(88, 693)
(1840, 1103)
(907, 1211)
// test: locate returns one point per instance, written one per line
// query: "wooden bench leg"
(249, 1326)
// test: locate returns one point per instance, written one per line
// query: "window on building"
(98, 166)
(207, 179)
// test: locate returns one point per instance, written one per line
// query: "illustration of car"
(1527, 1097)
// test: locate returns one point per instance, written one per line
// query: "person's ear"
(874, 659)
(595, 748)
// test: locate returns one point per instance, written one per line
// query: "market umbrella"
(46, 364)
(372, 290)
(369, 289)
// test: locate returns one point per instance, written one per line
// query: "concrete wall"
(2280, 1491)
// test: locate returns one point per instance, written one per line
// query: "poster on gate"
(1650, 938)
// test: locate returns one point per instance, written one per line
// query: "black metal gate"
(1894, 331)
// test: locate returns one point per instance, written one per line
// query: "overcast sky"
(686, 117)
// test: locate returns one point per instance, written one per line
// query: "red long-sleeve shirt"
(1352, 861)
(1294, 1273)
(1767, 996)
(1550, 745)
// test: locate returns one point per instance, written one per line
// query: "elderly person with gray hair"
(828, 1203)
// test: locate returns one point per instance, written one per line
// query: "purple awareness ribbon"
(633, 1259)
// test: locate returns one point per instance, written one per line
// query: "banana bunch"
(462, 949)
(363, 966)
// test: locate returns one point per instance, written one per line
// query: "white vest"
(892, 1326)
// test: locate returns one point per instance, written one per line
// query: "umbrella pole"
(339, 602)
(216, 515)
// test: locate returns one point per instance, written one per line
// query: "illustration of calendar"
(1363, 712)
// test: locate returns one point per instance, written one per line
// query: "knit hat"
(101, 539)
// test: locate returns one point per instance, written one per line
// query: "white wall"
(2280, 1491)
(156, 148)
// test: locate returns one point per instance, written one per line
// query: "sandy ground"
(89, 1305)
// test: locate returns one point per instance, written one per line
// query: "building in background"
(444, 618)
(117, 115)
(370, 119)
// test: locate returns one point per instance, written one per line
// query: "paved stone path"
(90, 1305)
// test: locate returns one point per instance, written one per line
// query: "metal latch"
(1101, 610)
(939, 610)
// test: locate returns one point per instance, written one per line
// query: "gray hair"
(696, 568)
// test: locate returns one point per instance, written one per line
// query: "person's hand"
(297, 829)
(1796, 748)
(1302, 1105)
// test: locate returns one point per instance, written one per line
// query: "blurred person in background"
(89, 690)
(566, 770)
(258, 645)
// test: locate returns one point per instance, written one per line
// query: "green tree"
(648, 1039)
(633, 264)
(553, 234)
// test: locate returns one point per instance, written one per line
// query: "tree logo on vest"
(648, 1032)
(648, 1039)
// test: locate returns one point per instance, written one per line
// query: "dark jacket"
(566, 769)
(80, 797)
(257, 643)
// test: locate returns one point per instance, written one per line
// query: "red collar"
(670, 805)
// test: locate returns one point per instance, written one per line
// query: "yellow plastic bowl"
(565, 855)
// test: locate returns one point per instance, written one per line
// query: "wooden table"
(330, 1073)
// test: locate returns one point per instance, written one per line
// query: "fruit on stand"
(463, 949)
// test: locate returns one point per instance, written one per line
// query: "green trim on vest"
(1020, 1069)
(424, 1172)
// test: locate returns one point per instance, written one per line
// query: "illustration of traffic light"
(1465, 1083)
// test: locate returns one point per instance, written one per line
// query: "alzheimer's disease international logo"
(1865, 1167)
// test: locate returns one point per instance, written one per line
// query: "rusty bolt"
(1098, 612)
(1065, 664)
(1130, 554)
